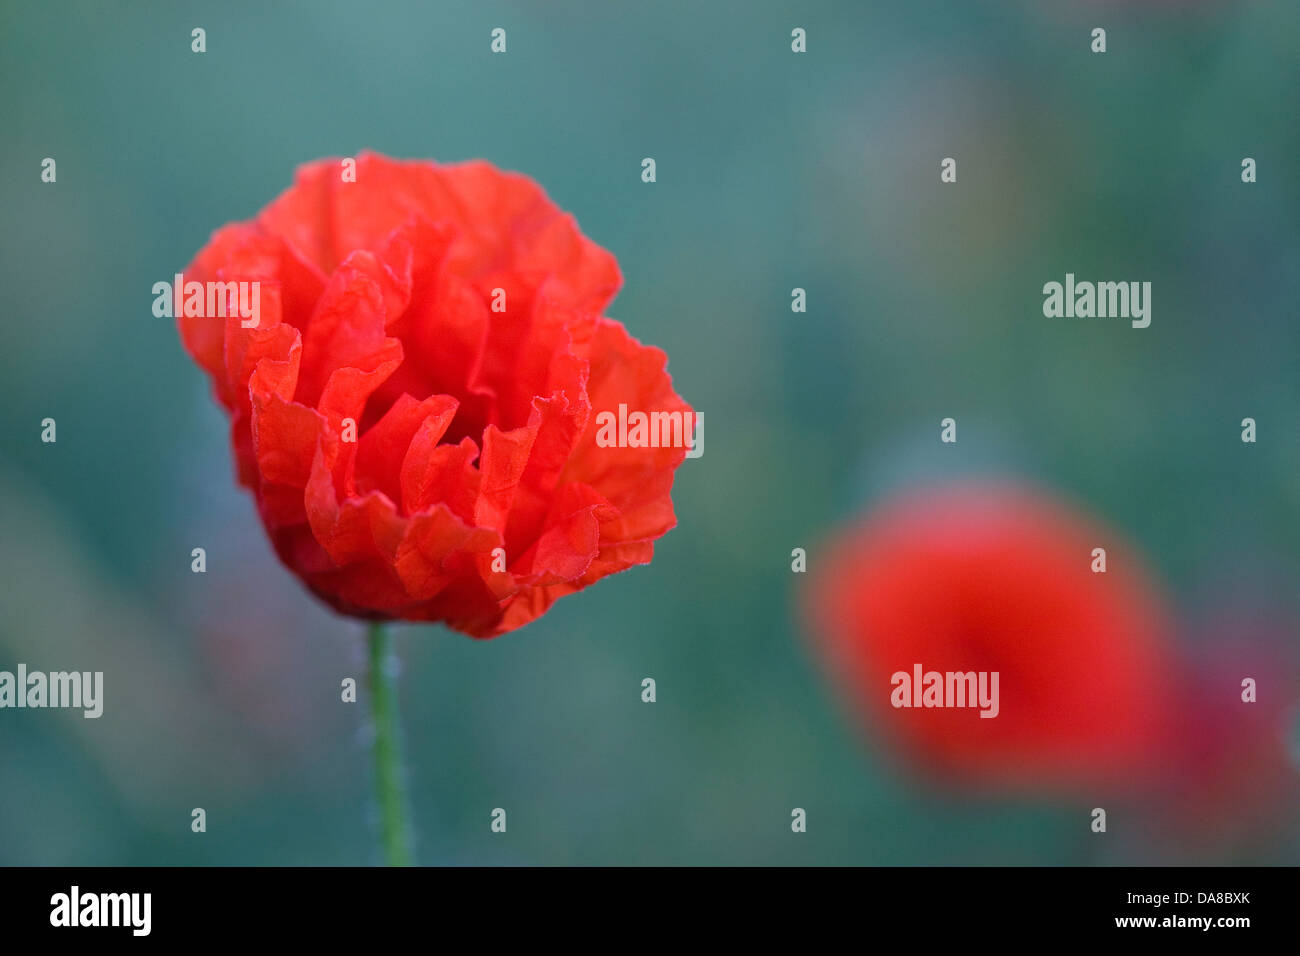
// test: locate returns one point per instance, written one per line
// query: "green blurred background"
(775, 170)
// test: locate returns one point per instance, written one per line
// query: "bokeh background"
(775, 170)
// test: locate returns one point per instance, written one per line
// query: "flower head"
(1001, 579)
(414, 407)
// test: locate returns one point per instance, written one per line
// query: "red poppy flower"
(1235, 778)
(414, 407)
(992, 579)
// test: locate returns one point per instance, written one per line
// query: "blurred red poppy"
(1000, 579)
(1234, 775)
(415, 406)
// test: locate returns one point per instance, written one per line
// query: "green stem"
(390, 788)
